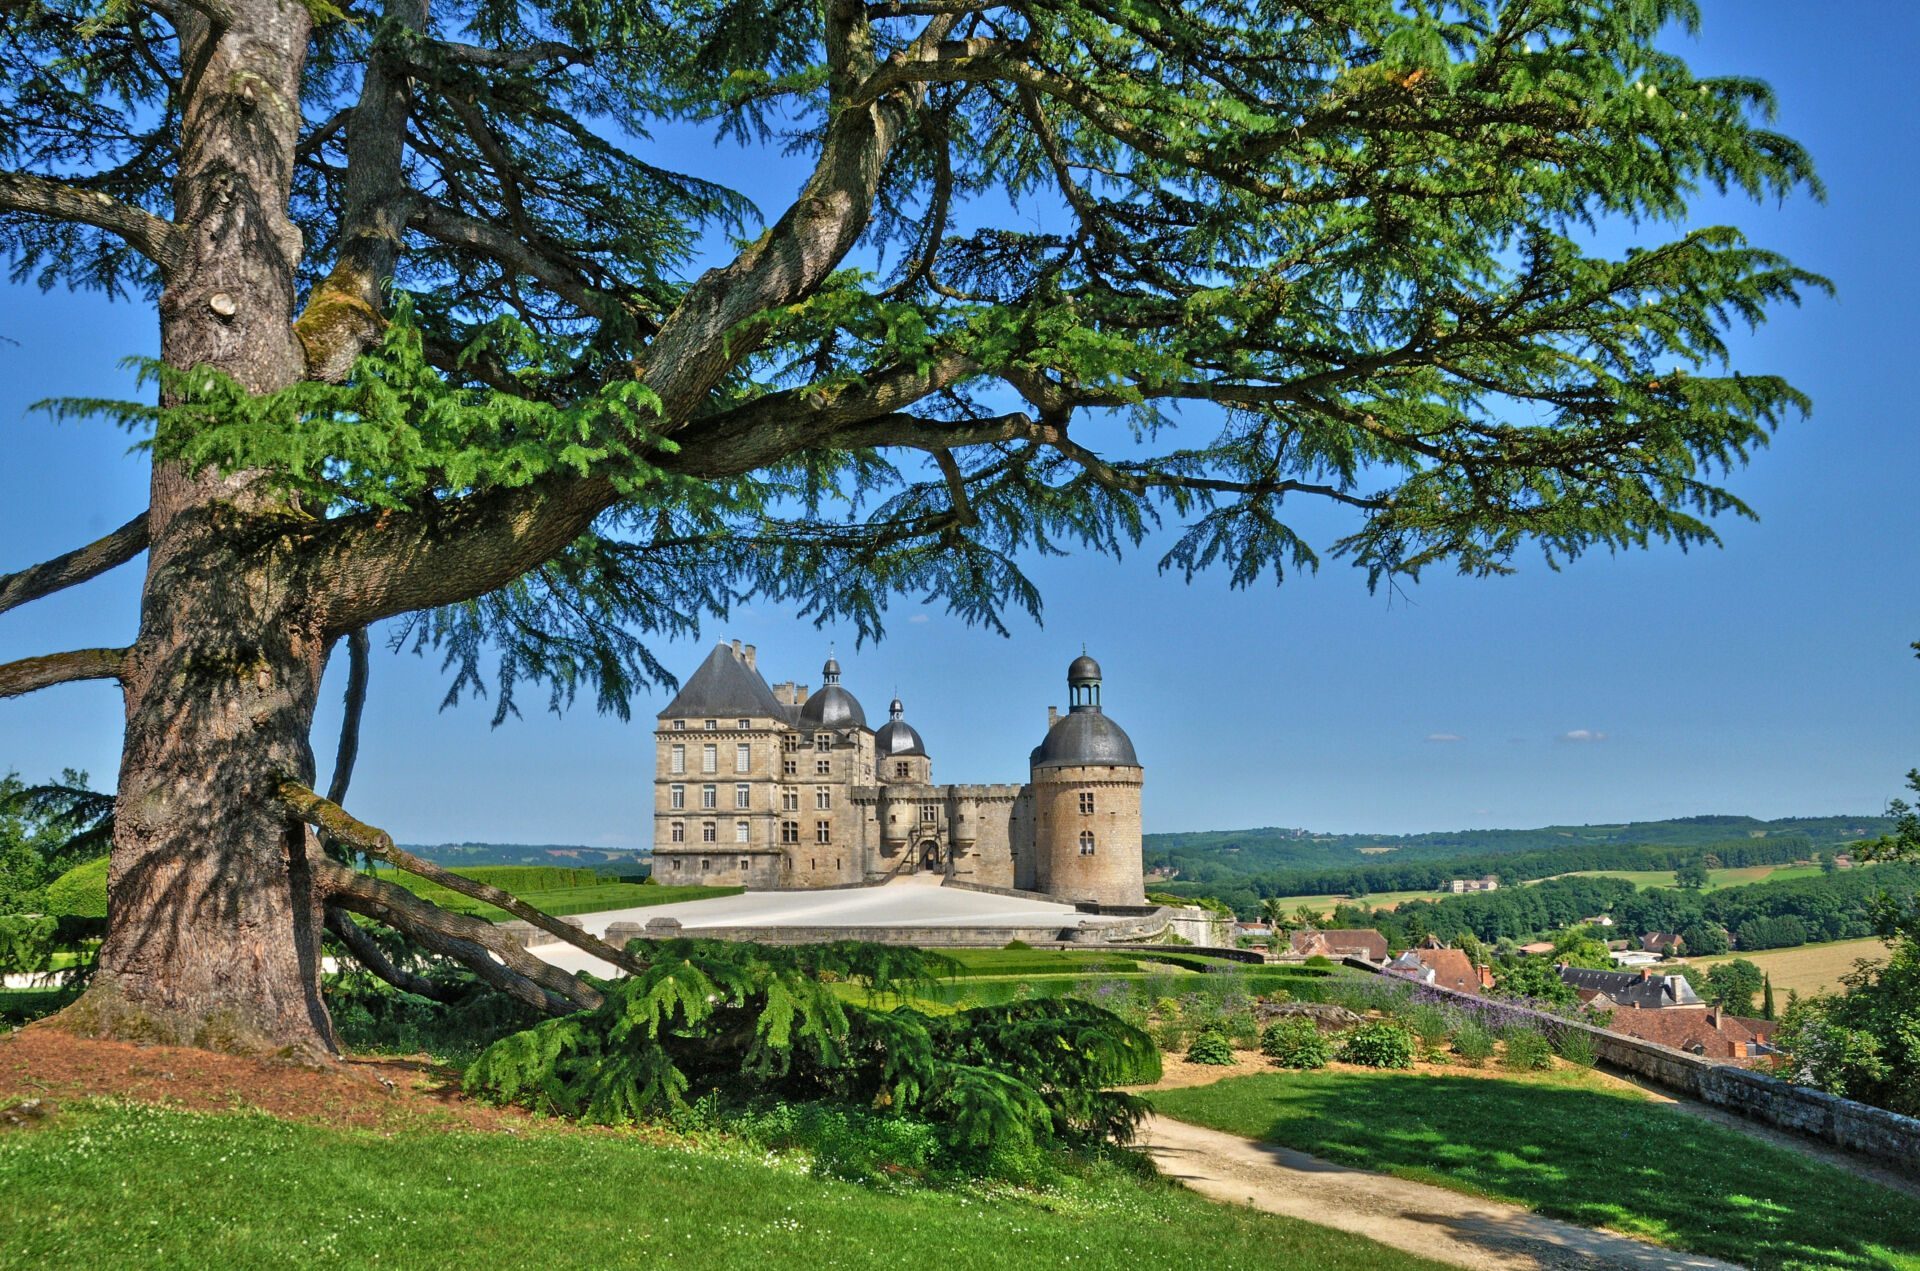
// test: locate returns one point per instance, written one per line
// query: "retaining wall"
(1886, 1137)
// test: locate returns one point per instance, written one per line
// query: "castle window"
(740, 831)
(789, 800)
(679, 763)
(675, 864)
(903, 769)
(745, 723)
(743, 758)
(1086, 842)
(790, 743)
(678, 834)
(709, 758)
(705, 864)
(823, 831)
(929, 813)
(743, 862)
(743, 796)
(789, 768)
(823, 741)
(677, 797)
(712, 724)
(823, 799)
(709, 832)
(679, 725)
(823, 767)
(709, 798)
(1086, 804)
(789, 831)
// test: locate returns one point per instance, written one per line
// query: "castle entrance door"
(930, 856)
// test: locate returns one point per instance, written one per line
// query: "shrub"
(1430, 1024)
(26, 943)
(1382, 1044)
(1211, 1046)
(1244, 1028)
(1319, 960)
(856, 1144)
(1168, 1034)
(1473, 1043)
(1576, 1047)
(1016, 944)
(1527, 1050)
(996, 1081)
(1295, 1042)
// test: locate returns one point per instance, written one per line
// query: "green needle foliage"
(749, 1019)
(1068, 272)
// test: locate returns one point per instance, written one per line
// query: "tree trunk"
(213, 934)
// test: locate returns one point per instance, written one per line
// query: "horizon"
(1772, 674)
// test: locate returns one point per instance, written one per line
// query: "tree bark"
(213, 934)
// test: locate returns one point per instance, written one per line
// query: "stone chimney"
(1053, 717)
(752, 665)
(736, 651)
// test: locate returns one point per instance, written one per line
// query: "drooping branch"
(368, 953)
(158, 239)
(512, 252)
(75, 567)
(356, 702)
(335, 821)
(475, 943)
(32, 674)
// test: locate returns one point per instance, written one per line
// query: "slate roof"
(897, 736)
(1084, 735)
(832, 707)
(1632, 989)
(724, 686)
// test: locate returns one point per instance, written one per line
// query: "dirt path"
(1431, 1221)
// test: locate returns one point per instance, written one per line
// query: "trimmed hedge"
(81, 892)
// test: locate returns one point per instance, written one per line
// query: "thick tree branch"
(478, 945)
(75, 567)
(32, 674)
(516, 254)
(333, 820)
(159, 240)
(368, 953)
(511, 59)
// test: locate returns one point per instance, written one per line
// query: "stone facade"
(771, 786)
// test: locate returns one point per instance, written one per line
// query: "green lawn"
(1565, 1145)
(119, 1185)
(564, 901)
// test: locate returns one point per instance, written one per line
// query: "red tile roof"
(1362, 942)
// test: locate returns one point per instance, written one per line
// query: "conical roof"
(724, 685)
(896, 736)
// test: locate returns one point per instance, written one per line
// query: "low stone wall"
(950, 937)
(1885, 1137)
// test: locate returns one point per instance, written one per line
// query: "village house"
(1349, 942)
(1434, 964)
(1486, 882)
(1634, 990)
(1665, 943)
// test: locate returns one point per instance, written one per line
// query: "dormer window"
(746, 723)
(679, 725)
(712, 724)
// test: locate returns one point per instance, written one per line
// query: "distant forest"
(606, 860)
(1277, 862)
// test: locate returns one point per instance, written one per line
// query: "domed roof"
(832, 706)
(1083, 669)
(1085, 736)
(896, 737)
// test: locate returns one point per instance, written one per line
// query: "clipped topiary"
(1383, 1044)
(1295, 1042)
(81, 892)
(1211, 1046)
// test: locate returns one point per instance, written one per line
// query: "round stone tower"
(1086, 801)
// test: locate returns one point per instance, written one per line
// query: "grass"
(1324, 902)
(564, 901)
(123, 1185)
(23, 1006)
(1563, 1144)
(1716, 878)
(1806, 969)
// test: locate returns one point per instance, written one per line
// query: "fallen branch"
(336, 822)
(475, 943)
(31, 674)
(77, 566)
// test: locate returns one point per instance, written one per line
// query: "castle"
(776, 787)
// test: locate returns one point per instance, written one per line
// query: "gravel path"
(1467, 1231)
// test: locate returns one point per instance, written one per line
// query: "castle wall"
(1112, 873)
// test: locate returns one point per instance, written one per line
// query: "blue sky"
(1769, 677)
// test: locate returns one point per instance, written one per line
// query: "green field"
(1325, 902)
(1716, 878)
(1805, 969)
(1571, 1146)
(106, 1185)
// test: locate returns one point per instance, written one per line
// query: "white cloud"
(920, 617)
(1583, 734)
(1444, 737)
